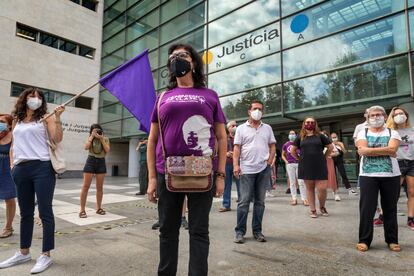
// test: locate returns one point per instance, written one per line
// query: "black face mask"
(180, 67)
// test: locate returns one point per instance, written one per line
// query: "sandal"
(362, 247)
(6, 233)
(293, 202)
(324, 212)
(305, 202)
(395, 247)
(83, 214)
(100, 211)
(313, 214)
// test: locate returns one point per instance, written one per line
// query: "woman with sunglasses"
(312, 163)
(398, 120)
(192, 123)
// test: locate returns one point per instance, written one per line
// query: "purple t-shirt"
(286, 148)
(187, 116)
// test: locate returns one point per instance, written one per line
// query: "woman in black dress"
(312, 163)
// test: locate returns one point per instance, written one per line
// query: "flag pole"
(72, 99)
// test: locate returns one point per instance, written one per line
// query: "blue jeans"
(252, 186)
(227, 186)
(35, 177)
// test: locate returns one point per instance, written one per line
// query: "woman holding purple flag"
(191, 120)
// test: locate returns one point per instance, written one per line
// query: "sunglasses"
(180, 55)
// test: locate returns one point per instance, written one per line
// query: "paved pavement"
(122, 242)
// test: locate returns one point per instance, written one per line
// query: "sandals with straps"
(6, 233)
(395, 247)
(313, 214)
(362, 247)
(83, 214)
(100, 211)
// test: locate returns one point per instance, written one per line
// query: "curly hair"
(20, 109)
(198, 71)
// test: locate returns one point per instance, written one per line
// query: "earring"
(193, 71)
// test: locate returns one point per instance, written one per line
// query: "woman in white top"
(379, 172)
(33, 173)
(398, 120)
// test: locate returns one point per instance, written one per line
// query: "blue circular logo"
(299, 23)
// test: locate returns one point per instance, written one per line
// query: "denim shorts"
(95, 165)
(406, 167)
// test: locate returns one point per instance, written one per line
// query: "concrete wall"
(118, 156)
(31, 63)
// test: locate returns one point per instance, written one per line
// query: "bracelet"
(221, 174)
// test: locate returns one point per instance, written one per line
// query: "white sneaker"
(42, 263)
(337, 198)
(269, 194)
(18, 258)
(352, 192)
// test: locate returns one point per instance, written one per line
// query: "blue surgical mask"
(292, 137)
(3, 127)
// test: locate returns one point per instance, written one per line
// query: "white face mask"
(376, 122)
(400, 119)
(34, 103)
(256, 114)
(334, 139)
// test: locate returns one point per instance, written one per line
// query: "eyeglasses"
(180, 55)
(376, 115)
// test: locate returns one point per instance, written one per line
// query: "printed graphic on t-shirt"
(377, 164)
(405, 143)
(196, 134)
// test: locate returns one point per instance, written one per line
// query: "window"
(89, 4)
(333, 16)
(235, 106)
(220, 7)
(381, 38)
(374, 80)
(174, 7)
(86, 51)
(257, 73)
(49, 40)
(183, 23)
(54, 41)
(291, 6)
(26, 32)
(67, 46)
(53, 97)
(142, 25)
(242, 49)
(243, 20)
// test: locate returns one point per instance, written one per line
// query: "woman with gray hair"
(379, 172)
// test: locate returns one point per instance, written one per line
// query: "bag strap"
(50, 142)
(159, 125)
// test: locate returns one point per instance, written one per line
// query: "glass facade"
(326, 58)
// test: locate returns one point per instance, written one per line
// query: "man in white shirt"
(255, 146)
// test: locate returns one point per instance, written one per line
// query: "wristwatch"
(221, 174)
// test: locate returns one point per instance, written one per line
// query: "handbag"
(56, 154)
(186, 173)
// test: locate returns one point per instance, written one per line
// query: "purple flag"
(132, 84)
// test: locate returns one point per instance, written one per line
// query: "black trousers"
(143, 177)
(388, 188)
(339, 164)
(169, 211)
